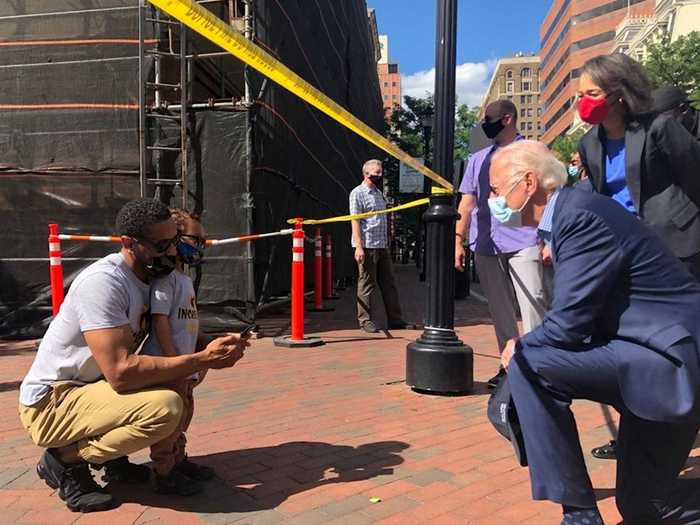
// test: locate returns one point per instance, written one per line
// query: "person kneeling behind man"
(622, 330)
(88, 398)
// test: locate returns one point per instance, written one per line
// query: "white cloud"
(472, 81)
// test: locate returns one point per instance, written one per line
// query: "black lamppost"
(427, 125)
(438, 362)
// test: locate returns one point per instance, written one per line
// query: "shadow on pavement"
(252, 480)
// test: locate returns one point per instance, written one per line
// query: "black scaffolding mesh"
(69, 144)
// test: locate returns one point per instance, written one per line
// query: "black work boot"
(74, 483)
(122, 470)
(176, 483)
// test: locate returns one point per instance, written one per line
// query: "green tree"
(676, 63)
(564, 145)
(465, 121)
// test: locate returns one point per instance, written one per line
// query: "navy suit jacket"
(616, 284)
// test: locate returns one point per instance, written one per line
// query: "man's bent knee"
(166, 411)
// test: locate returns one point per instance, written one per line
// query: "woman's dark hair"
(622, 76)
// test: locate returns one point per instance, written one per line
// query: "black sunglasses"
(162, 245)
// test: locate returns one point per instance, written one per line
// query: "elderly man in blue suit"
(622, 330)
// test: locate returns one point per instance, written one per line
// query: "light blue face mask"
(505, 215)
(573, 171)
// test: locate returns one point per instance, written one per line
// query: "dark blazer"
(663, 176)
(617, 285)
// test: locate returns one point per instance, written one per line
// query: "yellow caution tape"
(213, 28)
(358, 216)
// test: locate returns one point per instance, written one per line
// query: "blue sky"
(486, 31)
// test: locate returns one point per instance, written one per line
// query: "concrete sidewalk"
(311, 436)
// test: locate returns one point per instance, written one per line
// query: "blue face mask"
(573, 171)
(190, 255)
(505, 215)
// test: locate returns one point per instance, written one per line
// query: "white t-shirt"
(174, 296)
(107, 294)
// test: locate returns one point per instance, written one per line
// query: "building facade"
(389, 78)
(669, 19)
(572, 32)
(517, 79)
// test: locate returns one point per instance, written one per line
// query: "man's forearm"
(356, 237)
(465, 212)
(140, 371)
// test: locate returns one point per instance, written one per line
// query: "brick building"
(572, 32)
(389, 78)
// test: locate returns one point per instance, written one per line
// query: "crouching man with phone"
(88, 398)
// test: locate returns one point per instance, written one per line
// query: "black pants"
(693, 265)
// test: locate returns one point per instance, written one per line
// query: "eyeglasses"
(195, 240)
(162, 245)
(494, 190)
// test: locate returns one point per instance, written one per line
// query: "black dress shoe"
(606, 451)
(493, 382)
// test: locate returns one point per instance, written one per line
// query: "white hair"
(530, 155)
(371, 162)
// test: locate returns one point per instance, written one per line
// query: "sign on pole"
(410, 179)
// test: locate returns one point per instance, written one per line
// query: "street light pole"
(438, 362)
(427, 124)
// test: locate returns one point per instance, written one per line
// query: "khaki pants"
(104, 424)
(376, 269)
(170, 451)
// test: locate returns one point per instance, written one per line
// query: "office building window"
(529, 126)
(509, 86)
(525, 72)
(525, 86)
(393, 84)
(509, 73)
(522, 99)
(393, 68)
(522, 112)
(522, 126)
(539, 112)
(529, 99)
(529, 112)
(386, 84)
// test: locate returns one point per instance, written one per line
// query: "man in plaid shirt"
(370, 239)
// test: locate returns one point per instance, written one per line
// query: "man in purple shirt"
(506, 257)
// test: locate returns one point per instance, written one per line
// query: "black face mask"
(377, 181)
(161, 266)
(491, 129)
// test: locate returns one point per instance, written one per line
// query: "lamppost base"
(439, 363)
(287, 342)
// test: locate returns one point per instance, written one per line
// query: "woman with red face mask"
(648, 163)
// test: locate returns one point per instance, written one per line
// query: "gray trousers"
(376, 270)
(502, 274)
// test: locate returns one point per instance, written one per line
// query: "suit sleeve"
(588, 266)
(682, 151)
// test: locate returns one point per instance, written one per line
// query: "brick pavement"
(308, 436)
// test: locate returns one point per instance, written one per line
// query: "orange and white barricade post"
(318, 276)
(297, 338)
(328, 270)
(55, 269)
